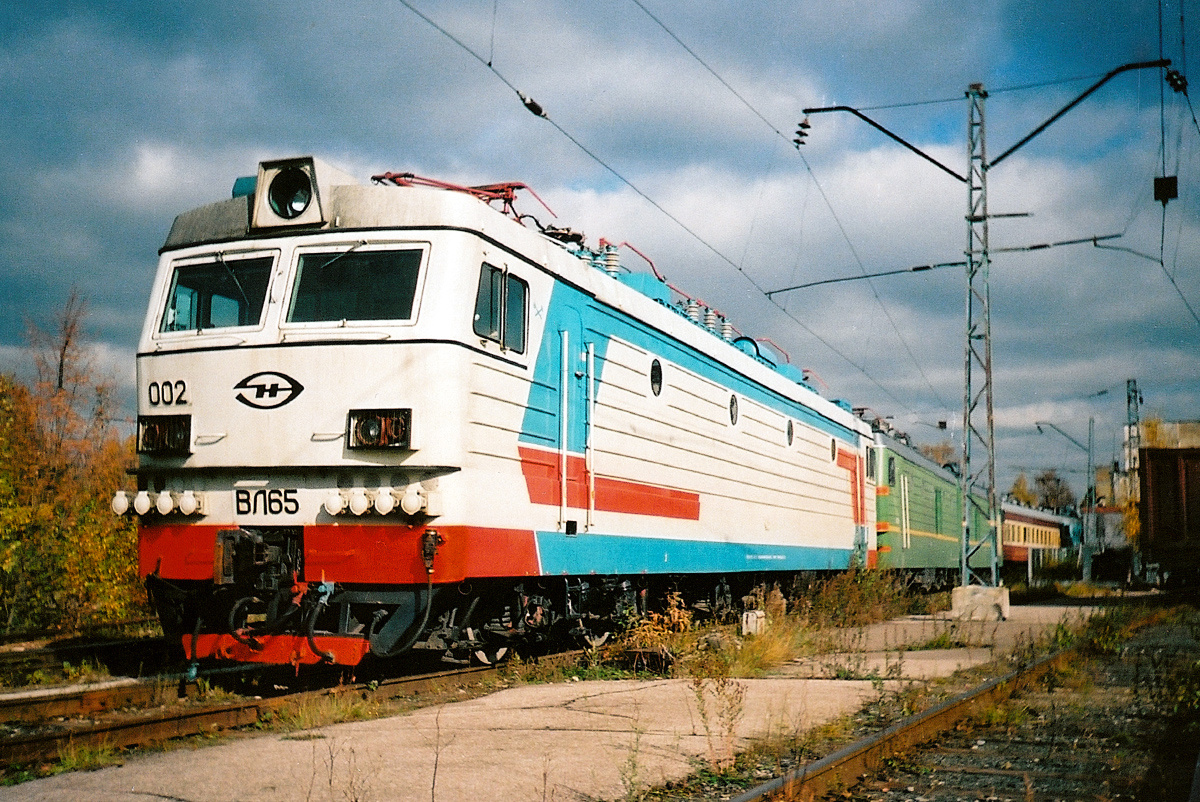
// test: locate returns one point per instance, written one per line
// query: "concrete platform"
(567, 741)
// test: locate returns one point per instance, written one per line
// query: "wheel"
(488, 652)
(593, 634)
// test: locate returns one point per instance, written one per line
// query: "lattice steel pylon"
(978, 471)
(1133, 440)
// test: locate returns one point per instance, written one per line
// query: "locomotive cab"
(300, 409)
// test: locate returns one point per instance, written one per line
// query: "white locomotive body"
(381, 417)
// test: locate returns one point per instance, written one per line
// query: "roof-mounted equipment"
(295, 193)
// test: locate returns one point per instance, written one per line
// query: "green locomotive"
(919, 514)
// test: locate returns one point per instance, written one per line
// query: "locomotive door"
(576, 406)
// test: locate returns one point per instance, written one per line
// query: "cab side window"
(501, 308)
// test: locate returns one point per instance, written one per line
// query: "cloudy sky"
(114, 117)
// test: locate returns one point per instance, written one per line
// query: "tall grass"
(852, 598)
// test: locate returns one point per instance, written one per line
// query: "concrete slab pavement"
(567, 741)
(900, 648)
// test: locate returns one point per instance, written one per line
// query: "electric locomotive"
(379, 417)
(919, 513)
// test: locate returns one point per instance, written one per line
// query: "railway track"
(127, 714)
(117, 657)
(1068, 726)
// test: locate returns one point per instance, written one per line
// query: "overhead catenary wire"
(535, 108)
(1158, 261)
(1178, 155)
(991, 91)
(828, 204)
(539, 111)
(492, 43)
(1162, 123)
(913, 269)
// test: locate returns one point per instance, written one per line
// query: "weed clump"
(720, 702)
(852, 598)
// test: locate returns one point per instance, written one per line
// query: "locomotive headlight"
(385, 502)
(120, 502)
(359, 503)
(335, 502)
(290, 192)
(141, 502)
(370, 430)
(295, 192)
(164, 435)
(379, 428)
(188, 503)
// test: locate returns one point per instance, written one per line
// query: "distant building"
(1111, 499)
(1170, 434)
(1169, 481)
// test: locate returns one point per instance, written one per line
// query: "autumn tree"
(1053, 492)
(66, 560)
(1020, 491)
(943, 453)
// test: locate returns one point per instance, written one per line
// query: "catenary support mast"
(977, 477)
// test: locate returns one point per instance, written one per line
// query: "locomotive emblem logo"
(268, 390)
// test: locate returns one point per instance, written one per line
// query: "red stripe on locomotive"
(612, 495)
(277, 649)
(365, 553)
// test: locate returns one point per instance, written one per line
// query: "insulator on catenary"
(532, 105)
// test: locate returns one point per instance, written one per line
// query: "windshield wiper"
(237, 282)
(344, 253)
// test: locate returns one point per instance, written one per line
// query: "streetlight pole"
(978, 418)
(1089, 512)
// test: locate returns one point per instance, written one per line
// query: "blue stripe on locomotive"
(617, 554)
(575, 312)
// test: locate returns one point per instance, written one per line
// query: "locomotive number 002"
(167, 393)
(265, 502)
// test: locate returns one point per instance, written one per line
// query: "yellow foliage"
(1133, 523)
(65, 560)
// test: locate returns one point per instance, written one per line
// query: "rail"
(843, 768)
(146, 727)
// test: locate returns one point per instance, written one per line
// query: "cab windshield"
(218, 294)
(355, 285)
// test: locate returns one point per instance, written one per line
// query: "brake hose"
(249, 641)
(325, 590)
